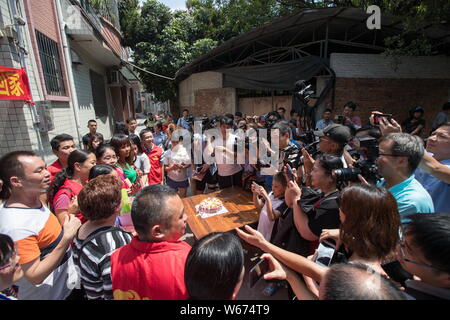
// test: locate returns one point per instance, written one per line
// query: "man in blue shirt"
(325, 121)
(182, 122)
(399, 157)
(439, 145)
(159, 138)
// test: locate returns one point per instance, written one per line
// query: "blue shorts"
(177, 184)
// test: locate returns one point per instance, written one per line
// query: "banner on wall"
(14, 85)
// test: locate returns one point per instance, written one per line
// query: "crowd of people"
(105, 221)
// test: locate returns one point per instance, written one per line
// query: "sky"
(173, 4)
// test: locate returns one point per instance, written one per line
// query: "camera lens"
(347, 174)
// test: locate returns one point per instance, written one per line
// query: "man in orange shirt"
(43, 246)
(151, 267)
(62, 146)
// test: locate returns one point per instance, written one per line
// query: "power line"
(152, 73)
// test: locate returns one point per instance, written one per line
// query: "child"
(269, 203)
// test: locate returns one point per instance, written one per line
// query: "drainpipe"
(68, 61)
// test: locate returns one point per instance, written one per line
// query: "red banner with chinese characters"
(14, 84)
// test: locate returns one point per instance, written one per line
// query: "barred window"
(51, 65)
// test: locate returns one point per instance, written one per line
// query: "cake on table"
(210, 205)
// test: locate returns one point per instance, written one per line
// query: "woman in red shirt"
(68, 183)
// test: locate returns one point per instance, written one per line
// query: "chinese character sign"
(14, 84)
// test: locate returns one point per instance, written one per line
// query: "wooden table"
(240, 206)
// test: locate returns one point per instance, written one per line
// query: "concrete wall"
(371, 82)
(197, 81)
(261, 105)
(214, 102)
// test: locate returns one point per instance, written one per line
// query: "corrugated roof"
(347, 32)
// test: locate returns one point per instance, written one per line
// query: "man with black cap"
(333, 140)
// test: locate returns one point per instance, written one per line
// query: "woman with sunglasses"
(10, 270)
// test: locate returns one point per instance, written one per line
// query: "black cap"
(336, 132)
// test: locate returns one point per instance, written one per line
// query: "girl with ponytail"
(68, 183)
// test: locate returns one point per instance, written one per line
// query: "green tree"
(164, 41)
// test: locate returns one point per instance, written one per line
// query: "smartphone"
(377, 116)
(325, 252)
(256, 273)
(395, 271)
(289, 173)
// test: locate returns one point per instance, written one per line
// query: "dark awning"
(273, 76)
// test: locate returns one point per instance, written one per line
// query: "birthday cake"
(210, 205)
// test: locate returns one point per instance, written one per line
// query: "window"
(51, 65)
(99, 94)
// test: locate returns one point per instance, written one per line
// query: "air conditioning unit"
(9, 32)
(114, 78)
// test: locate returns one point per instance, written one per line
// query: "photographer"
(428, 163)
(439, 145)
(399, 156)
(318, 209)
(332, 142)
(289, 152)
(229, 172)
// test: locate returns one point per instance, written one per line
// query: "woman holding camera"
(316, 209)
(368, 234)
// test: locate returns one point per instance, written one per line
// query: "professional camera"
(293, 156)
(270, 119)
(365, 166)
(303, 92)
(205, 121)
(308, 137)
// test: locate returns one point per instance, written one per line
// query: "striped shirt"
(93, 260)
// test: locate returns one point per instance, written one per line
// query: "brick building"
(318, 45)
(76, 67)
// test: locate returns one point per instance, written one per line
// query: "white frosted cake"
(210, 205)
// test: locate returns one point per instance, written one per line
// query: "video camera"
(302, 91)
(365, 166)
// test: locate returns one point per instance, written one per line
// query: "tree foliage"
(164, 41)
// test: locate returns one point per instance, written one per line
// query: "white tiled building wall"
(84, 92)
(17, 131)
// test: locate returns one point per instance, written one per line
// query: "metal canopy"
(317, 32)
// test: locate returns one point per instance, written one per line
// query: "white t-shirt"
(226, 163)
(265, 226)
(142, 163)
(177, 155)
